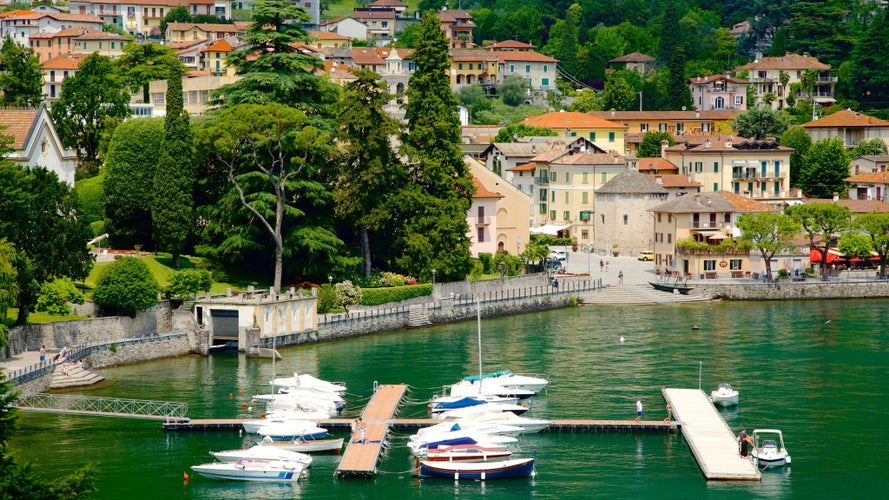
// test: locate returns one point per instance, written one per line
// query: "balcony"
(484, 221)
(706, 224)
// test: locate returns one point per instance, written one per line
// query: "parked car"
(558, 255)
(646, 255)
(555, 266)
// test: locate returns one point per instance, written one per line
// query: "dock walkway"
(360, 459)
(712, 443)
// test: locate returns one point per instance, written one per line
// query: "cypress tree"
(173, 214)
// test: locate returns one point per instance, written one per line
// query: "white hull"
(309, 382)
(263, 452)
(768, 449)
(312, 446)
(252, 471)
(724, 395)
(528, 425)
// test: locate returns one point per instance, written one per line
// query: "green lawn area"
(39, 318)
(342, 8)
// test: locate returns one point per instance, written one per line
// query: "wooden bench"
(737, 274)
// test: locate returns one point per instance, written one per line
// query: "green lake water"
(817, 370)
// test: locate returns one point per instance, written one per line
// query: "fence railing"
(88, 405)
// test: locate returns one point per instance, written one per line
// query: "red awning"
(815, 256)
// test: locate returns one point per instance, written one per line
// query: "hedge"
(378, 296)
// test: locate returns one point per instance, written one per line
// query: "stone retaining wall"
(167, 346)
(789, 290)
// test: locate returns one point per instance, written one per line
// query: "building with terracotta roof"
(511, 45)
(605, 134)
(638, 62)
(718, 92)
(35, 142)
(675, 123)
(538, 70)
(76, 39)
(765, 76)
(347, 26)
(22, 24)
(56, 70)
(470, 66)
(380, 23)
(850, 126)
(197, 91)
(396, 5)
(192, 32)
(869, 163)
(869, 186)
(503, 223)
(213, 58)
(676, 185)
(457, 26)
(758, 169)
(323, 39)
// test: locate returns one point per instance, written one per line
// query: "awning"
(707, 232)
(832, 255)
(550, 229)
(717, 236)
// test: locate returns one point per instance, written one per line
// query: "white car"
(558, 255)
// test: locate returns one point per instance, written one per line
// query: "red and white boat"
(466, 453)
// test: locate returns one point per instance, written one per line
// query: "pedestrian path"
(638, 294)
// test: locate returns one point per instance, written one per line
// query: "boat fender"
(185, 477)
(787, 459)
(248, 439)
(417, 466)
(230, 395)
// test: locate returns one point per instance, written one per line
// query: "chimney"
(664, 145)
(658, 179)
(836, 197)
(612, 112)
(697, 114)
(707, 144)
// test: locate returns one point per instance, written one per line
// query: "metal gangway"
(105, 407)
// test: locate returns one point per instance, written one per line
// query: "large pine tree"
(174, 178)
(439, 193)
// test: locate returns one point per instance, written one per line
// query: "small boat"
(283, 417)
(446, 403)
(466, 453)
(311, 445)
(295, 429)
(724, 395)
(671, 287)
(502, 469)
(768, 449)
(308, 381)
(510, 380)
(470, 411)
(264, 451)
(488, 387)
(251, 470)
(528, 425)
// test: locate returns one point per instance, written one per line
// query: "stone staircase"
(76, 377)
(418, 316)
(638, 295)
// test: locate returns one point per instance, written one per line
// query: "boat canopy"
(500, 373)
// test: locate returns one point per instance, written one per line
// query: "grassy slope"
(341, 8)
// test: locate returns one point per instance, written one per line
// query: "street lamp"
(433, 277)
(330, 280)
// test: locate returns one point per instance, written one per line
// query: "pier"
(712, 443)
(103, 407)
(360, 458)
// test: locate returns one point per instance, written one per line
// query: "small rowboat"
(311, 445)
(466, 453)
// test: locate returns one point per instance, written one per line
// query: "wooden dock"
(712, 442)
(360, 459)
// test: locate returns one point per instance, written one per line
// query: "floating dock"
(361, 458)
(712, 442)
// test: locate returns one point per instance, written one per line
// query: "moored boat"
(295, 429)
(668, 287)
(724, 395)
(502, 469)
(768, 449)
(508, 379)
(466, 453)
(264, 451)
(251, 470)
(311, 445)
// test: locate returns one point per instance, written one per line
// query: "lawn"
(343, 8)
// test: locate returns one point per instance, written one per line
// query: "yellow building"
(213, 58)
(607, 135)
(470, 66)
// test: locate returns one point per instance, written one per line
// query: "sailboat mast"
(478, 313)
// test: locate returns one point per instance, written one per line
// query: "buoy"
(621, 338)
(230, 395)
(244, 405)
(263, 415)
(250, 408)
(240, 392)
(185, 477)
(695, 327)
(248, 439)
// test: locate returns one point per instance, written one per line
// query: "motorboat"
(510, 380)
(264, 451)
(294, 429)
(334, 445)
(528, 425)
(671, 287)
(282, 417)
(768, 449)
(252, 470)
(445, 403)
(305, 400)
(488, 387)
(502, 469)
(470, 411)
(309, 382)
(421, 445)
(724, 395)
(466, 453)
(468, 425)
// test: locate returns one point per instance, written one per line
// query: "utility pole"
(640, 101)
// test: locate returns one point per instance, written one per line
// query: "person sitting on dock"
(669, 417)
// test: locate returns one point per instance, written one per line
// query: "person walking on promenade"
(606, 265)
(638, 409)
(362, 431)
(620, 277)
(42, 354)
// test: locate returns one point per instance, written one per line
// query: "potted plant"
(615, 251)
(574, 244)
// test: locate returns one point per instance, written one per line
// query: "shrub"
(125, 287)
(347, 294)
(326, 299)
(507, 264)
(377, 296)
(187, 283)
(486, 259)
(56, 295)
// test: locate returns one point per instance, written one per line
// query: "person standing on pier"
(362, 431)
(638, 409)
(744, 441)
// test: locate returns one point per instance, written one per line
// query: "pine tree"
(568, 48)
(440, 191)
(173, 214)
(870, 81)
(679, 92)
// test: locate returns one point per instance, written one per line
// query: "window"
(777, 168)
(604, 177)
(778, 190)
(567, 178)
(626, 219)
(585, 178)
(699, 166)
(709, 265)
(545, 68)
(661, 127)
(544, 82)
(715, 167)
(584, 198)
(602, 217)
(610, 136)
(592, 137)
(552, 196)
(552, 176)
(643, 127)
(459, 65)
(585, 234)
(512, 68)
(527, 68)
(481, 234)
(470, 66)
(543, 208)
(552, 215)
(680, 127)
(763, 168)
(739, 100)
(659, 217)
(734, 264)
(670, 218)
(566, 215)
(715, 186)
(727, 218)
(669, 237)
(542, 196)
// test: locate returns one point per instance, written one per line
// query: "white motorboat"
(334, 445)
(282, 417)
(471, 411)
(724, 395)
(307, 400)
(488, 387)
(468, 425)
(264, 451)
(251, 470)
(528, 425)
(307, 381)
(419, 445)
(295, 429)
(510, 380)
(768, 449)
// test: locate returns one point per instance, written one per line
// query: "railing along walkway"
(100, 406)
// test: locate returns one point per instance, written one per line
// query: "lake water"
(816, 370)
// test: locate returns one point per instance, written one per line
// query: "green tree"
(439, 192)
(876, 226)
(347, 294)
(125, 287)
(473, 97)
(770, 233)
(368, 166)
(585, 101)
(177, 14)
(142, 63)
(821, 223)
(8, 284)
(677, 87)
(800, 140)
(270, 157)
(618, 94)
(650, 147)
(820, 27)
(56, 295)
(174, 178)
(759, 123)
(188, 282)
(130, 169)
(513, 90)
(271, 67)
(88, 100)
(825, 165)
(38, 215)
(21, 82)
(873, 147)
(510, 132)
(669, 39)
(868, 80)
(568, 49)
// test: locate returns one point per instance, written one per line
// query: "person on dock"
(42, 354)
(362, 431)
(744, 442)
(669, 417)
(638, 409)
